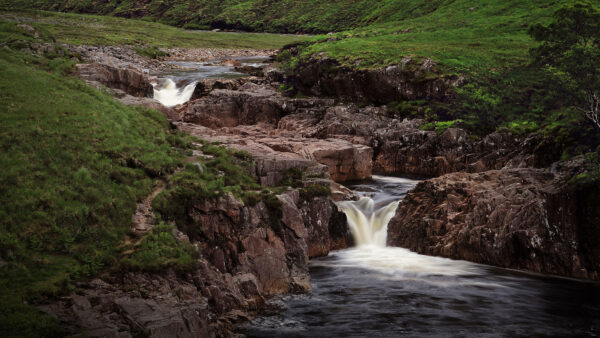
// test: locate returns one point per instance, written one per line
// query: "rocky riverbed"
(500, 200)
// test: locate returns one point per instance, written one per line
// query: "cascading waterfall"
(167, 93)
(368, 224)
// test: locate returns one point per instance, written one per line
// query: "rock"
(516, 218)
(254, 71)
(407, 81)
(231, 63)
(128, 80)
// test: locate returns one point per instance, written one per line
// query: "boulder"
(515, 218)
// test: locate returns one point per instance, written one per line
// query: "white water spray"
(169, 95)
(368, 225)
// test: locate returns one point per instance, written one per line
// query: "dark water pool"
(390, 292)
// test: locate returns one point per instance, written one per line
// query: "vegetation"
(290, 16)
(160, 250)
(571, 49)
(75, 162)
(86, 29)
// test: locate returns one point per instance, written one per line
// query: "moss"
(275, 211)
(591, 174)
(314, 190)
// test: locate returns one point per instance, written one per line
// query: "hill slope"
(276, 16)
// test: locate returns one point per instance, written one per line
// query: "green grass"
(491, 36)
(84, 29)
(74, 163)
(259, 15)
(159, 250)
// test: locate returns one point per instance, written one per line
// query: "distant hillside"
(287, 16)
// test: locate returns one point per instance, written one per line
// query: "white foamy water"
(167, 93)
(368, 220)
(368, 224)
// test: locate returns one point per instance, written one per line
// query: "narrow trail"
(143, 218)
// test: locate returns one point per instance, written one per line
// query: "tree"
(570, 48)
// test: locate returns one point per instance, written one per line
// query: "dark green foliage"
(225, 172)
(159, 250)
(570, 49)
(292, 178)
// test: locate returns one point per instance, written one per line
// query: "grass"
(461, 35)
(74, 163)
(158, 251)
(258, 15)
(85, 29)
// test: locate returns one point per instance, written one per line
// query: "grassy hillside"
(275, 16)
(488, 43)
(79, 29)
(75, 162)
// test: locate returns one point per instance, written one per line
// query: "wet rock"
(128, 80)
(405, 81)
(517, 218)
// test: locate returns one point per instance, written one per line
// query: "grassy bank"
(75, 162)
(76, 29)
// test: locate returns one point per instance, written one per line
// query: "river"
(376, 291)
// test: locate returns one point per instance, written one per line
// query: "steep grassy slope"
(74, 163)
(462, 35)
(104, 30)
(276, 16)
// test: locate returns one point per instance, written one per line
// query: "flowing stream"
(187, 74)
(376, 291)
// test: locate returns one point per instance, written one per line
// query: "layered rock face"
(408, 80)
(401, 148)
(247, 119)
(517, 218)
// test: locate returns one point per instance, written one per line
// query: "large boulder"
(519, 218)
(129, 80)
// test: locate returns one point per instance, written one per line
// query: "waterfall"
(169, 95)
(367, 223)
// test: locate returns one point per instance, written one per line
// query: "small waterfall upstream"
(367, 223)
(167, 93)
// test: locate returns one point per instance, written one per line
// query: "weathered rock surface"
(408, 80)
(401, 148)
(128, 80)
(247, 119)
(517, 218)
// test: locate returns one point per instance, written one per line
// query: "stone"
(516, 218)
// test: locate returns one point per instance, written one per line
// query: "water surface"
(375, 291)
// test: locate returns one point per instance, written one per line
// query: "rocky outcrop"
(128, 80)
(408, 80)
(402, 148)
(247, 118)
(247, 252)
(518, 218)
(203, 304)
